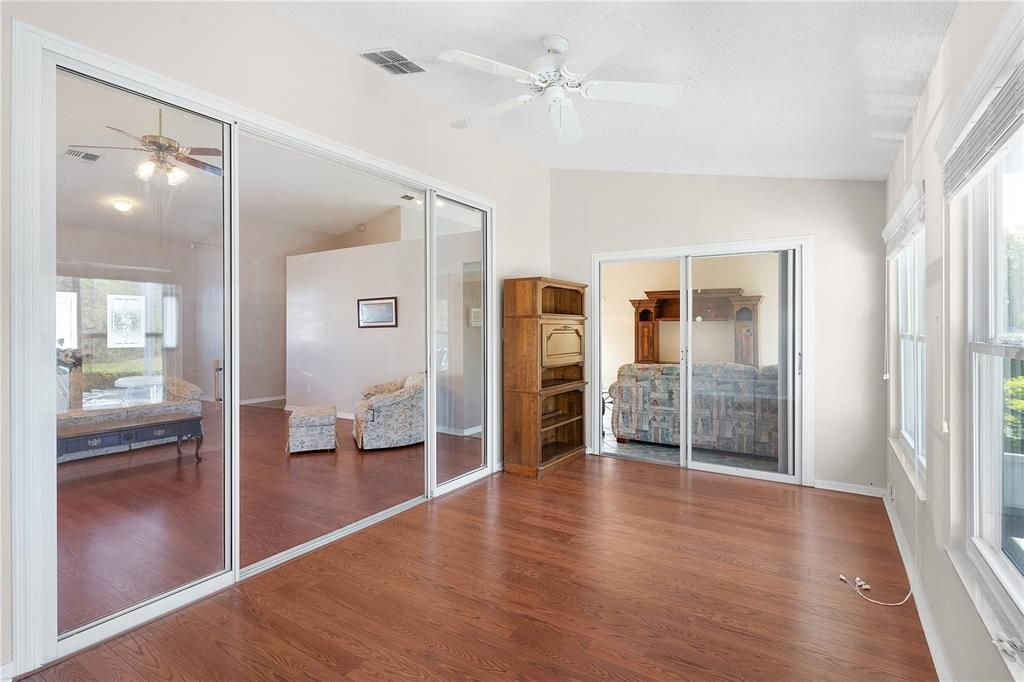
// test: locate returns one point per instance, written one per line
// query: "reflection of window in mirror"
(170, 322)
(67, 319)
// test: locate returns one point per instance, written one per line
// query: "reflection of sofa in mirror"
(391, 414)
(735, 407)
(116, 420)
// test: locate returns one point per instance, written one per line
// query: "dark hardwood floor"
(132, 526)
(608, 569)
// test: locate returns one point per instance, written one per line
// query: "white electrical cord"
(859, 586)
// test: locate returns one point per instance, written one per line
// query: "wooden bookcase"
(544, 375)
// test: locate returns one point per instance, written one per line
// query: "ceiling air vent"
(392, 62)
(80, 156)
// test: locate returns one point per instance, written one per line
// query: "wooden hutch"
(543, 340)
(709, 305)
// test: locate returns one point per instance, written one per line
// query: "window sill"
(906, 456)
(994, 605)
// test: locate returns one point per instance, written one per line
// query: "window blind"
(906, 221)
(1000, 119)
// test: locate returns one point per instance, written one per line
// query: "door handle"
(218, 372)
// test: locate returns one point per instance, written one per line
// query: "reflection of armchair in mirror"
(391, 414)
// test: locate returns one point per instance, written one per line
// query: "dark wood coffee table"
(131, 432)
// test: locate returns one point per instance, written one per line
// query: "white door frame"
(36, 54)
(803, 325)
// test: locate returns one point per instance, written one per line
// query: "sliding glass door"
(739, 358)
(142, 443)
(643, 387)
(699, 361)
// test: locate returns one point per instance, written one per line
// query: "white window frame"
(910, 293)
(905, 239)
(997, 594)
(987, 347)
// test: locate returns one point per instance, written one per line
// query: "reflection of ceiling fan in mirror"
(163, 151)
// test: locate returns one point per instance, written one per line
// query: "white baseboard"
(253, 401)
(854, 488)
(473, 430)
(924, 612)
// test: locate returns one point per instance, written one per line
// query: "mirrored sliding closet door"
(459, 338)
(332, 348)
(142, 441)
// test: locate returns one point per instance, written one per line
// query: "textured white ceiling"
(807, 90)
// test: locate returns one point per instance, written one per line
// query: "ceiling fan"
(561, 73)
(163, 151)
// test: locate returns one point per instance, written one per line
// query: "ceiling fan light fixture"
(145, 170)
(176, 176)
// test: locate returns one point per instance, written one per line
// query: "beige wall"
(937, 522)
(621, 282)
(264, 63)
(263, 250)
(594, 212)
(757, 275)
(387, 227)
(330, 359)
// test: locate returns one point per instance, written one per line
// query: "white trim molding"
(255, 401)
(924, 612)
(1004, 48)
(33, 556)
(852, 488)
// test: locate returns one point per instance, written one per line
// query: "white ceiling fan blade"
(662, 94)
(610, 36)
(484, 64)
(565, 121)
(496, 110)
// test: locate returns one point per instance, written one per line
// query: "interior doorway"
(703, 359)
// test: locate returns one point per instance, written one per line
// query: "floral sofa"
(735, 407)
(180, 398)
(391, 414)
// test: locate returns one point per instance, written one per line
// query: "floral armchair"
(391, 414)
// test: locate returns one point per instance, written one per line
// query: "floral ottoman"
(312, 428)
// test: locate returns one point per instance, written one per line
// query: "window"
(67, 319)
(910, 279)
(996, 364)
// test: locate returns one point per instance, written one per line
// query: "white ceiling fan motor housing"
(556, 44)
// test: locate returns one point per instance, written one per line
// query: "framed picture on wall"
(378, 312)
